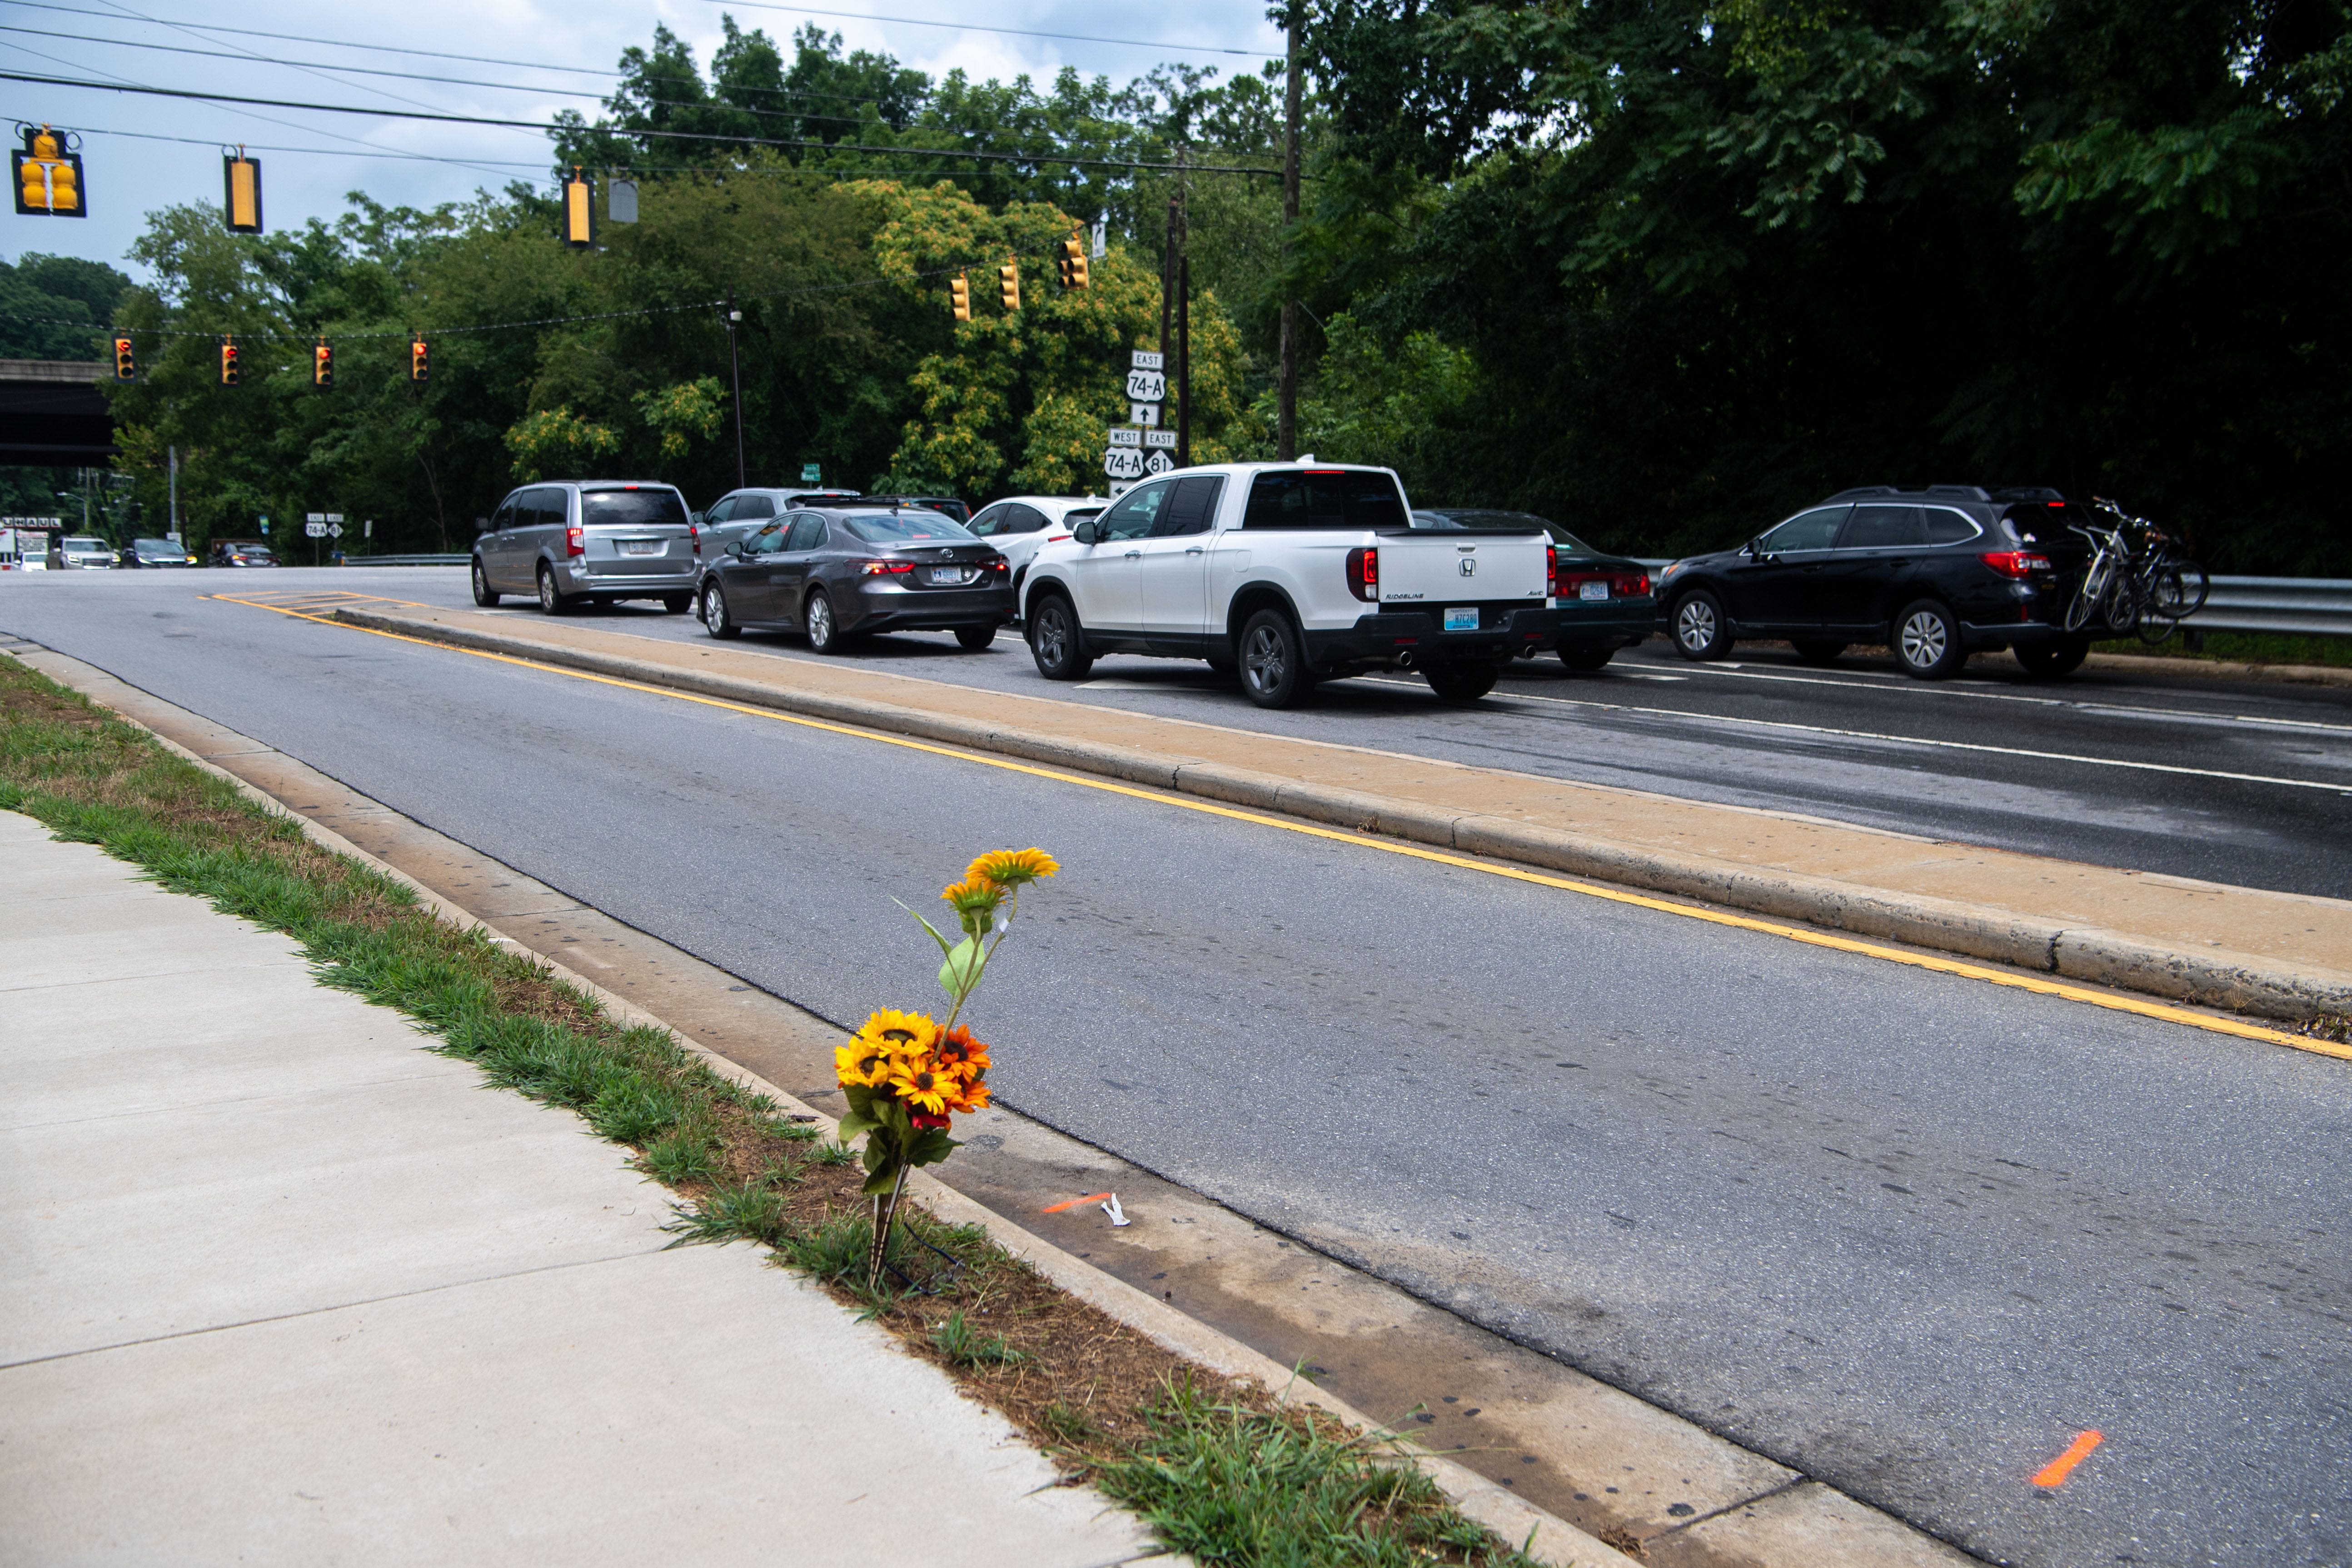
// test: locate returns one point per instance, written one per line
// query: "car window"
(85, 544)
(906, 528)
(749, 507)
(1883, 528)
(992, 521)
(505, 516)
(155, 546)
(1814, 530)
(766, 542)
(1134, 514)
(1194, 508)
(551, 505)
(808, 532)
(1323, 498)
(721, 511)
(1949, 527)
(646, 508)
(1025, 520)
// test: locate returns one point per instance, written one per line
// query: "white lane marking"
(1915, 741)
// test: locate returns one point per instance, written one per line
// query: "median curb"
(2219, 978)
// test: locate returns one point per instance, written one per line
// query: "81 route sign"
(1142, 448)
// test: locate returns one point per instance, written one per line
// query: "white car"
(81, 553)
(1290, 573)
(1020, 525)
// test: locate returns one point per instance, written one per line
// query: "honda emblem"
(1469, 566)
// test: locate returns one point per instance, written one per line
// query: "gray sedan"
(854, 567)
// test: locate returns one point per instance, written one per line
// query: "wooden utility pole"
(735, 372)
(1286, 438)
(1183, 362)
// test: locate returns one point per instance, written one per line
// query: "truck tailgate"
(1448, 566)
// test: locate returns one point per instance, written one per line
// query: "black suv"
(1935, 573)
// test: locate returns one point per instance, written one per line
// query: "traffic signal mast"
(960, 295)
(1072, 264)
(323, 365)
(228, 361)
(126, 368)
(48, 176)
(419, 360)
(1008, 285)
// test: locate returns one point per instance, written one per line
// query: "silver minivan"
(596, 541)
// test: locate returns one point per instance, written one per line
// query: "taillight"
(2018, 564)
(1364, 575)
(885, 568)
(1631, 587)
(1551, 572)
(694, 537)
(575, 542)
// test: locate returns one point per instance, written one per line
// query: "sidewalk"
(284, 1286)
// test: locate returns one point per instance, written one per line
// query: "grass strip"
(1217, 1468)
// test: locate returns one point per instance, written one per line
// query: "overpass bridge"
(53, 414)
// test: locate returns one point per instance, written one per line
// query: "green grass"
(965, 1345)
(2248, 648)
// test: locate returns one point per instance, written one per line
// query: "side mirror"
(1755, 548)
(695, 517)
(735, 547)
(1084, 532)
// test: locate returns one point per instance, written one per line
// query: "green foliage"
(965, 1345)
(684, 414)
(57, 306)
(555, 442)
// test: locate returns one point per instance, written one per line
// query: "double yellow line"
(2015, 979)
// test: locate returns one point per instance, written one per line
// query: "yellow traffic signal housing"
(959, 293)
(241, 192)
(1073, 264)
(48, 176)
(419, 360)
(1008, 284)
(579, 211)
(323, 365)
(126, 368)
(228, 362)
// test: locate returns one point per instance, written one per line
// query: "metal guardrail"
(2303, 606)
(406, 560)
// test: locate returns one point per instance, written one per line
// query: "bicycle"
(2147, 591)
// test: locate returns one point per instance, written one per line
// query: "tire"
(824, 631)
(1057, 641)
(716, 618)
(552, 601)
(1586, 659)
(676, 603)
(1818, 653)
(483, 593)
(1274, 667)
(1701, 629)
(1460, 685)
(971, 639)
(1927, 641)
(2050, 660)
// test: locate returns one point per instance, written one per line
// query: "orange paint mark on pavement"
(1075, 1203)
(2058, 1469)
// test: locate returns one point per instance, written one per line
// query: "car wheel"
(1057, 641)
(1461, 684)
(824, 632)
(1274, 667)
(2048, 660)
(716, 620)
(483, 595)
(1587, 659)
(971, 639)
(551, 601)
(676, 603)
(1701, 629)
(1818, 653)
(1927, 641)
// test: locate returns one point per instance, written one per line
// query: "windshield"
(630, 509)
(155, 547)
(1486, 517)
(907, 527)
(82, 544)
(1325, 498)
(249, 550)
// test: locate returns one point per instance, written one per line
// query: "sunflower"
(921, 1085)
(971, 1092)
(898, 1035)
(957, 1052)
(1009, 868)
(859, 1065)
(974, 900)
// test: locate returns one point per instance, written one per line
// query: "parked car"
(845, 568)
(1936, 574)
(154, 552)
(1017, 525)
(738, 514)
(240, 553)
(1288, 573)
(81, 553)
(1604, 601)
(598, 540)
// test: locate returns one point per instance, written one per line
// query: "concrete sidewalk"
(283, 1286)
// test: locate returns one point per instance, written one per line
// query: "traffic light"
(241, 192)
(323, 365)
(1073, 264)
(579, 211)
(228, 361)
(960, 292)
(1008, 284)
(419, 360)
(49, 175)
(126, 368)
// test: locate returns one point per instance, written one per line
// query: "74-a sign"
(1146, 386)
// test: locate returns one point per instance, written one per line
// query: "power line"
(333, 43)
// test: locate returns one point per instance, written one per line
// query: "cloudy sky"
(140, 153)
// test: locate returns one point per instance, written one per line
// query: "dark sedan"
(858, 566)
(240, 553)
(1935, 573)
(1604, 600)
(155, 553)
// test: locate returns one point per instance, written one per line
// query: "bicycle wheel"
(2088, 596)
(2187, 587)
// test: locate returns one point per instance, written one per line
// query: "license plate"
(951, 575)
(1462, 619)
(1593, 590)
(641, 547)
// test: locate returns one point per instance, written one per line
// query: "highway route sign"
(1160, 437)
(314, 517)
(1123, 463)
(315, 529)
(1158, 462)
(1128, 435)
(1146, 386)
(1144, 361)
(334, 530)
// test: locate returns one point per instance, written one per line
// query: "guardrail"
(406, 560)
(2303, 606)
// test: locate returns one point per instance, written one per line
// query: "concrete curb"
(1545, 1536)
(2217, 978)
(2220, 670)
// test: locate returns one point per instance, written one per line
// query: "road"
(1907, 1232)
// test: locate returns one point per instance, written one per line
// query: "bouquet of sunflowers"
(906, 1076)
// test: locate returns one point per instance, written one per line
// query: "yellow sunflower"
(1011, 868)
(899, 1035)
(859, 1065)
(974, 900)
(920, 1084)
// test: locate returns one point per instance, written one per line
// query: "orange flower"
(1009, 868)
(970, 1094)
(958, 1053)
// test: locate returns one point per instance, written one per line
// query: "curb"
(2231, 981)
(1543, 1535)
(2221, 668)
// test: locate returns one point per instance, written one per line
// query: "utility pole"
(735, 372)
(1286, 440)
(1184, 319)
(172, 457)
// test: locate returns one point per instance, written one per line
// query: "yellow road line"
(2017, 980)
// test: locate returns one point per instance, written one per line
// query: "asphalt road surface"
(1907, 1232)
(2242, 783)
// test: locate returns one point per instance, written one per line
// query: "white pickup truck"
(1290, 573)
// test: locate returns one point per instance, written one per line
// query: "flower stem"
(885, 1214)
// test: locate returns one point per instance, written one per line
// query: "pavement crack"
(1791, 1484)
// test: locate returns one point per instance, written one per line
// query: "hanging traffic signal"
(959, 292)
(126, 368)
(419, 360)
(1073, 264)
(241, 192)
(1008, 284)
(579, 211)
(323, 365)
(228, 361)
(49, 175)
